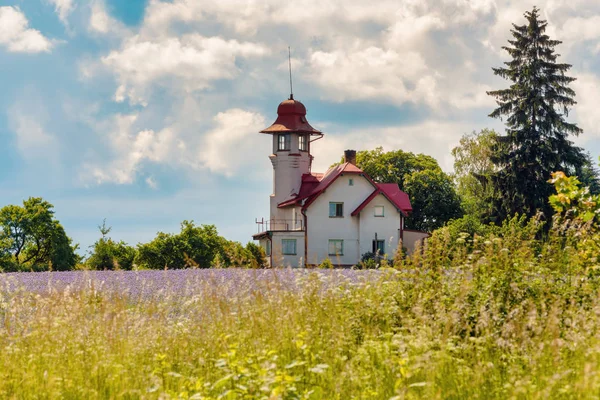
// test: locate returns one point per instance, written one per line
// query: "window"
(350, 182)
(284, 142)
(336, 247)
(336, 210)
(302, 143)
(379, 211)
(268, 248)
(288, 247)
(379, 247)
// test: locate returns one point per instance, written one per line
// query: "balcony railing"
(265, 225)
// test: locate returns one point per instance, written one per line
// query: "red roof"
(291, 117)
(392, 192)
(314, 184)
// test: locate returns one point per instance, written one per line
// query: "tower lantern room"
(291, 157)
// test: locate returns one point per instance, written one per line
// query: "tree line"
(32, 239)
(496, 176)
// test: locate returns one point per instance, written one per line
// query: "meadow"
(501, 316)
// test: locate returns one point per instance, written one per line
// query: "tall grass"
(505, 316)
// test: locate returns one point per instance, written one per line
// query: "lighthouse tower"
(291, 157)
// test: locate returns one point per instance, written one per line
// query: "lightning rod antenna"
(290, 63)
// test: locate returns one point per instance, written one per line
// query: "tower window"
(350, 182)
(284, 142)
(302, 143)
(379, 211)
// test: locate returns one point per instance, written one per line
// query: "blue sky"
(147, 113)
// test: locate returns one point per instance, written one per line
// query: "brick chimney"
(350, 156)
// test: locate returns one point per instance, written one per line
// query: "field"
(480, 319)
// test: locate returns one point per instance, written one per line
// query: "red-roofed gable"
(312, 186)
(392, 192)
(396, 196)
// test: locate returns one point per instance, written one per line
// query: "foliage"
(573, 202)
(258, 254)
(431, 191)
(577, 218)
(326, 264)
(370, 260)
(110, 255)
(393, 166)
(196, 247)
(469, 225)
(32, 239)
(433, 199)
(472, 168)
(536, 141)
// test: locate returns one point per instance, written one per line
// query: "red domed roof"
(291, 117)
(291, 107)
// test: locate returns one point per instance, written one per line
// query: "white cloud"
(63, 8)
(371, 73)
(190, 62)
(27, 119)
(102, 23)
(130, 150)
(587, 87)
(151, 182)
(222, 149)
(16, 35)
(225, 148)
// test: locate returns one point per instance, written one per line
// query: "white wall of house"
(287, 260)
(322, 228)
(412, 239)
(386, 227)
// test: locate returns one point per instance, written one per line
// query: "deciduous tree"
(108, 254)
(31, 238)
(472, 169)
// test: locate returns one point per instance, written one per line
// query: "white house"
(341, 214)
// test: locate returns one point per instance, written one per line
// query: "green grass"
(499, 317)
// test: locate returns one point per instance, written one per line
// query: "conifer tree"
(536, 142)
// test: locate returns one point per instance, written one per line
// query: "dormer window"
(284, 141)
(302, 143)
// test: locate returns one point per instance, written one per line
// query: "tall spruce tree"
(536, 141)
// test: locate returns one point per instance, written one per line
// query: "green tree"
(194, 246)
(259, 258)
(535, 105)
(431, 191)
(31, 238)
(108, 254)
(472, 169)
(433, 199)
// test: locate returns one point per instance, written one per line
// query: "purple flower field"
(185, 282)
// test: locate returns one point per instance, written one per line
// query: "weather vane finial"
(290, 63)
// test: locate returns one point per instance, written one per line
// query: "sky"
(147, 112)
